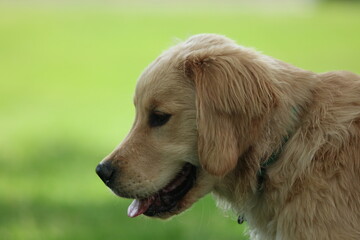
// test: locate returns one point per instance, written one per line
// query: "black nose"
(105, 171)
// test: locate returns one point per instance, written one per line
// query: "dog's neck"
(261, 174)
(274, 157)
(276, 132)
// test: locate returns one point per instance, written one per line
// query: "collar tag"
(241, 219)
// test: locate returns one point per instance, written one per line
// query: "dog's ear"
(232, 94)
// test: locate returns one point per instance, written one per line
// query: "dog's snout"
(105, 171)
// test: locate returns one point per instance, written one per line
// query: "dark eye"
(157, 119)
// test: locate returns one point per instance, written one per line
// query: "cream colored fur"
(231, 109)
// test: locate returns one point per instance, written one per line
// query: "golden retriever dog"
(278, 145)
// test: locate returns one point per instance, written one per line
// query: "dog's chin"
(170, 200)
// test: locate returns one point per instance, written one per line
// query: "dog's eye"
(158, 119)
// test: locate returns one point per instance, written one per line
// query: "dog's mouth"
(166, 199)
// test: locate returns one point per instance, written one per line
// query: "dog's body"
(227, 110)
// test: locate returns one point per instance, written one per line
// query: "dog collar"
(270, 161)
(261, 173)
(274, 156)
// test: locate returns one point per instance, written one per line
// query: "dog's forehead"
(161, 82)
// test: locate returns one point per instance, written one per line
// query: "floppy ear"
(232, 94)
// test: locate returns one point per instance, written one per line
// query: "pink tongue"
(138, 207)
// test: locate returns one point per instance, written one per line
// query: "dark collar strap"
(270, 161)
(261, 173)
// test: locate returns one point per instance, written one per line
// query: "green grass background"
(67, 76)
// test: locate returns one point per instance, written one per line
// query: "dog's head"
(194, 105)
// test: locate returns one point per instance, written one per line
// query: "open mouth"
(167, 198)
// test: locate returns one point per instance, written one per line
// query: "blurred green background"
(67, 75)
